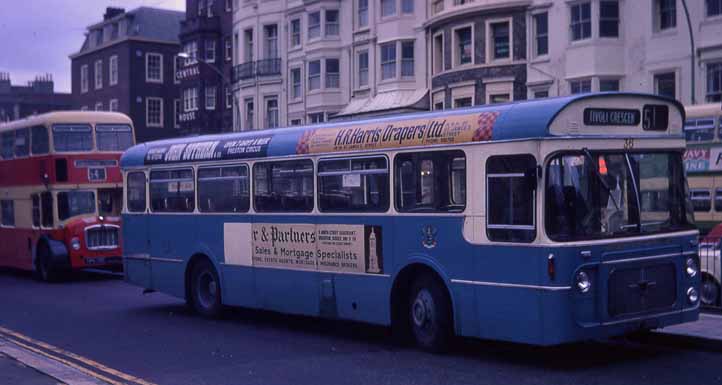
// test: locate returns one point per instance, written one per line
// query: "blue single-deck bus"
(540, 222)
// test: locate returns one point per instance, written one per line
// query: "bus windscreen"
(602, 195)
(113, 137)
(72, 137)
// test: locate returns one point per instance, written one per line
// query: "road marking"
(62, 356)
(51, 367)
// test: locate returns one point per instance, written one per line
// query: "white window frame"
(326, 73)
(490, 58)
(320, 75)
(381, 9)
(292, 83)
(319, 25)
(463, 91)
(534, 35)
(665, 71)
(210, 49)
(396, 74)
(229, 97)
(357, 15)
(113, 70)
(401, 59)
(98, 74)
(148, 79)
(358, 68)
(591, 20)
(147, 111)
(433, 53)
(98, 106)
(438, 97)
(211, 94)
(455, 54)
(246, 126)
(113, 105)
(292, 34)
(499, 87)
(591, 84)
(267, 112)
(84, 79)
(326, 24)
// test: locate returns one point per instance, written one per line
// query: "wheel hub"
(207, 289)
(422, 309)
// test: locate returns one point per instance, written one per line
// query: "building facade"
(204, 75)
(39, 96)
(127, 64)
(305, 62)
(638, 46)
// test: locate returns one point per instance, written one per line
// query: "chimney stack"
(112, 12)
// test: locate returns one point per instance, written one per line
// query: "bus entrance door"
(136, 251)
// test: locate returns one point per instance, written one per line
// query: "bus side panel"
(135, 248)
(287, 291)
(508, 313)
(360, 297)
(16, 249)
(173, 240)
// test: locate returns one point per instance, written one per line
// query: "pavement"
(15, 372)
(99, 330)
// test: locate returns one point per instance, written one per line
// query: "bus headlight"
(583, 282)
(75, 243)
(692, 267)
(692, 295)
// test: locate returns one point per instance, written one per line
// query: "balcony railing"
(252, 69)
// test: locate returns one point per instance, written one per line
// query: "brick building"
(39, 96)
(206, 98)
(127, 64)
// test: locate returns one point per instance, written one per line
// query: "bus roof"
(67, 117)
(520, 120)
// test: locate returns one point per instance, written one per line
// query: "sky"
(37, 36)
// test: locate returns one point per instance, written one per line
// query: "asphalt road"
(158, 339)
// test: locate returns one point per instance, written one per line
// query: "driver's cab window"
(110, 201)
(430, 182)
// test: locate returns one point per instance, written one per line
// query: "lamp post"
(691, 47)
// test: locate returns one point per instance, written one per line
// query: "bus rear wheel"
(205, 290)
(430, 314)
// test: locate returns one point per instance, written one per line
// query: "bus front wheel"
(206, 289)
(710, 291)
(430, 314)
(44, 269)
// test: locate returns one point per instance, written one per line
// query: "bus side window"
(718, 200)
(22, 142)
(39, 140)
(430, 182)
(285, 186)
(223, 189)
(136, 192)
(510, 198)
(701, 199)
(7, 147)
(46, 209)
(353, 185)
(36, 210)
(7, 212)
(172, 190)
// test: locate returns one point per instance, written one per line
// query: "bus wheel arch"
(203, 286)
(408, 283)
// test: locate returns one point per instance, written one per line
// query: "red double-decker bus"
(61, 191)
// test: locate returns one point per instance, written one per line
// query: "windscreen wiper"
(599, 177)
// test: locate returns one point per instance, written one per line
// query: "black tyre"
(205, 292)
(710, 291)
(44, 269)
(430, 314)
